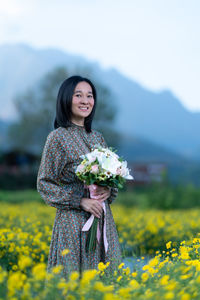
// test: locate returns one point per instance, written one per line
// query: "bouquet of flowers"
(101, 166)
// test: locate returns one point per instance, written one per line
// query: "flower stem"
(92, 236)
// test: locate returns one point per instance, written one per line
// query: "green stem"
(92, 236)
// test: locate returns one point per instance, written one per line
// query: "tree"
(36, 112)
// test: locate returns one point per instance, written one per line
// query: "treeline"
(161, 196)
(155, 196)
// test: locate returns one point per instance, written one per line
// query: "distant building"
(15, 162)
(145, 173)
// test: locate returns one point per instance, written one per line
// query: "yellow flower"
(2, 276)
(74, 275)
(125, 292)
(15, 282)
(174, 254)
(24, 262)
(120, 266)
(196, 240)
(169, 296)
(164, 280)
(145, 277)
(146, 267)
(171, 285)
(186, 297)
(99, 286)
(57, 269)
(87, 276)
(168, 245)
(39, 271)
(63, 284)
(182, 243)
(14, 267)
(134, 274)
(127, 271)
(110, 296)
(152, 271)
(119, 278)
(134, 284)
(186, 276)
(101, 266)
(154, 262)
(184, 255)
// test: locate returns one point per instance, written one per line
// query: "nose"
(84, 99)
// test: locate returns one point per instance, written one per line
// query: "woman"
(60, 187)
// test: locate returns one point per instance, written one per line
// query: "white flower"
(107, 165)
(80, 168)
(125, 171)
(94, 169)
(91, 157)
(110, 164)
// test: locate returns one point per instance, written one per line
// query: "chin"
(85, 114)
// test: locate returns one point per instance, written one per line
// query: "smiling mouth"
(83, 108)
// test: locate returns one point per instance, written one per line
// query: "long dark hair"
(64, 103)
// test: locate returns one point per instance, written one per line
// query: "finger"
(99, 210)
(96, 212)
(103, 199)
(97, 197)
(103, 196)
(96, 204)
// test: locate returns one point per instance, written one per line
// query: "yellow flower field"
(173, 272)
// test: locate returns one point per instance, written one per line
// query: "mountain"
(22, 66)
(158, 117)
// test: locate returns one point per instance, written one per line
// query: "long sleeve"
(53, 190)
(114, 191)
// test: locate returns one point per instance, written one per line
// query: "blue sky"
(155, 42)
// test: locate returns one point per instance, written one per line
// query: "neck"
(79, 122)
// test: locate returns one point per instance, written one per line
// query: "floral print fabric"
(60, 187)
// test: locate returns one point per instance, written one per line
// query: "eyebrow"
(81, 92)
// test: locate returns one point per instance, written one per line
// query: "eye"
(90, 96)
(78, 95)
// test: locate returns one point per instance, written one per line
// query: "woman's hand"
(93, 206)
(100, 193)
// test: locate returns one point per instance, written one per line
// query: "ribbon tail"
(88, 224)
(104, 229)
(98, 233)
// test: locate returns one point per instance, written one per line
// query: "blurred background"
(143, 57)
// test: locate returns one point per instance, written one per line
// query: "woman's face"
(82, 102)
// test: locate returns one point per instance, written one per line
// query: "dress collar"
(77, 126)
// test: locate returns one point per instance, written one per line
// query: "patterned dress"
(60, 187)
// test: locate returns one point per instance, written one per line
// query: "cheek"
(92, 103)
(74, 104)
